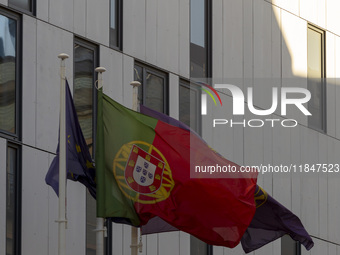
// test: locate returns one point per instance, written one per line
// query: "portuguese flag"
(144, 168)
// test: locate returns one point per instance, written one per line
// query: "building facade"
(166, 45)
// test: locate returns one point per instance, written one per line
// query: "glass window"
(8, 74)
(153, 92)
(189, 106)
(116, 10)
(200, 38)
(12, 197)
(24, 5)
(85, 61)
(316, 75)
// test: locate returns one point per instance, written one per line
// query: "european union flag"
(79, 164)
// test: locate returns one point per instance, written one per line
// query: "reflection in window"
(153, 91)
(84, 77)
(22, 4)
(200, 38)
(83, 90)
(316, 75)
(115, 23)
(11, 172)
(7, 74)
(189, 105)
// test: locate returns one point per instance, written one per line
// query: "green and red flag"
(143, 170)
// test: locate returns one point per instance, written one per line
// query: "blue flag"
(79, 164)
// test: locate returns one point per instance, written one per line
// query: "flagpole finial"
(135, 83)
(63, 56)
(100, 69)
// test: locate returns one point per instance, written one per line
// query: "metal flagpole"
(134, 231)
(100, 229)
(62, 160)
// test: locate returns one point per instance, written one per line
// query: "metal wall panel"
(29, 81)
(51, 41)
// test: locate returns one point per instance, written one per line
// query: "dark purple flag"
(79, 165)
(271, 221)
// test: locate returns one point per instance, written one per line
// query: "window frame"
(17, 195)
(16, 136)
(323, 129)
(157, 72)
(208, 12)
(32, 12)
(95, 48)
(195, 87)
(119, 24)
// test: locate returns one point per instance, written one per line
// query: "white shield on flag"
(144, 172)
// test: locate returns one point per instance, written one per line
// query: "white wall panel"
(217, 39)
(61, 14)
(51, 41)
(76, 216)
(184, 39)
(53, 204)
(29, 81)
(134, 28)
(320, 247)
(323, 188)
(4, 2)
(168, 243)
(337, 87)
(152, 244)
(333, 17)
(294, 55)
(309, 181)
(3, 160)
(151, 28)
(128, 76)
(331, 84)
(34, 202)
(42, 9)
(117, 238)
(296, 177)
(79, 17)
(232, 39)
(334, 199)
(248, 52)
(173, 96)
(184, 243)
(314, 11)
(97, 21)
(262, 92)
(276, 43)
(167, 43)
(113, 77)
(281, 156)
(126, 240)
(289, 5)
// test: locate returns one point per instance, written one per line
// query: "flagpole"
(134, 231)
(100, 229)
(62, 160)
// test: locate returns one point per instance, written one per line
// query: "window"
(116, 28)
(26, 6)
(9, 73)
(316, 74)
(200, 38)
(289, 246)
(13, 201)
(85, 61)
(189, 105)
(154, 90)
